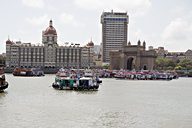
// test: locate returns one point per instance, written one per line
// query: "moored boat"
(88, 73)
(28, 72)
(3, 82)
(37, 72)
(87, 83)
(72, 80)
(145, 75)
(62, 73)
(63, 83)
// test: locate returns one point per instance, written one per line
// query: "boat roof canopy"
(85, 78)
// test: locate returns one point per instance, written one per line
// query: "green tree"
(106, 66)
(178, 68)
(2, 61)
(170, 63)
(185, 64)
(160, 63)
(165, 64)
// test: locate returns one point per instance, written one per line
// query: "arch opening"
(130, 63)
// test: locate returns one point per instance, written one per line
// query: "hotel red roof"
(9, 42)
(50, 29)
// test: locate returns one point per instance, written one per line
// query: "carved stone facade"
(133, 57)
(49, 53)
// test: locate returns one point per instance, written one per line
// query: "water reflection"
(77, 92)
(3, 93)
(87, 92)
(115, 120)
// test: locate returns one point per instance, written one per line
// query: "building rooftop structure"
(50, 29)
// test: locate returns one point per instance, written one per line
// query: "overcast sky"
(165, 23)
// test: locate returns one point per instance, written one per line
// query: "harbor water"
(31, 102)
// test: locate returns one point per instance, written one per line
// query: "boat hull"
(86, 88)
(4, 86)
(29, 72)
(59, 87)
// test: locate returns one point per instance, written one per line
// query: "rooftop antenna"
(51, 23)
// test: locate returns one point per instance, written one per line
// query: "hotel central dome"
(90, 44)
(9, 42)
(50, 29)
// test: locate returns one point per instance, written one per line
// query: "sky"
(166, 23)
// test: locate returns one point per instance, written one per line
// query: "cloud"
(178, 29)
(68, 19)
(34, 3)
(138, 34)
(178, 32)
(37, 21)
(136, 6)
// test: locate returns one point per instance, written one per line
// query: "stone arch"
(145, 67)
(130, 63)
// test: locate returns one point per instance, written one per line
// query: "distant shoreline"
(46, 71)
(55, 70)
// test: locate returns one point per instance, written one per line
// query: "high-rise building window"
(114, 31)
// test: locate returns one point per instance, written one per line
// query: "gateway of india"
(133, 57)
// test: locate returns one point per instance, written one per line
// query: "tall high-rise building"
(114, 32)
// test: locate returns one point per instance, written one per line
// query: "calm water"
(33, 103)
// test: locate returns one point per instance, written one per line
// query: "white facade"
(68, 56)
(87, 57)
(49, 54)
(31, 55)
